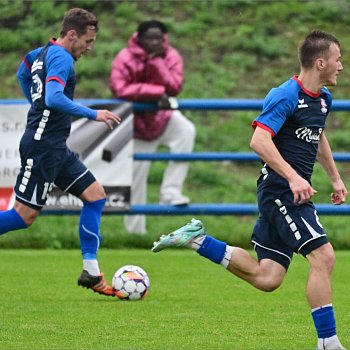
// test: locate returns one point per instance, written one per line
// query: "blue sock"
(89, 228)
(212, 249)
(324, 321)
(10, 220)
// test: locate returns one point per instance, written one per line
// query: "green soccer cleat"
(182, 237)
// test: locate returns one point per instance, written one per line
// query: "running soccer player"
(289, 135)
(47, 78)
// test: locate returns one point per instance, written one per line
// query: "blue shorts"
(41, 168)
(284, 228)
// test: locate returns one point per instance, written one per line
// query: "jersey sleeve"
(24, 72)
(328, 97)
(59, 65)
(55, 98)
(25, 80)
(277, 108)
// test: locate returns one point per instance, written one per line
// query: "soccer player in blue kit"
(47, 78)
(289, 135)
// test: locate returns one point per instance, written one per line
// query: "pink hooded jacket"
(134, 77)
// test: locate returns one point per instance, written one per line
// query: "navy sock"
(89, 228)
(212, 249)
(324, 322)
(10, 220)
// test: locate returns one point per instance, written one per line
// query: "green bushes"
(231, 49)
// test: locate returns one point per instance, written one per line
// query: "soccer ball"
(131, 283)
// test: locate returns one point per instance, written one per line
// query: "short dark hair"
(144, 26)
(80, 20)
(314, 45)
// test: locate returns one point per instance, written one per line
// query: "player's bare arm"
(325, 157)
(108, 118)
(262, 144)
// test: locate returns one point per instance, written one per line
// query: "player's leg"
(94, 199)
(319, 295)
(305, 235)
(17, 218)
(31, 189)
(264, 274)
(137, 223)
(299, 228)
(76, 179)
(179, 136)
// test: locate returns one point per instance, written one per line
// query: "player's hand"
(302, 190)
(339, 196)
(108, 118)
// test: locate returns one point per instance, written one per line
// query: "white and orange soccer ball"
(131, 282)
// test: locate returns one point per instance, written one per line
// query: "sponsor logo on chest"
(308, 134)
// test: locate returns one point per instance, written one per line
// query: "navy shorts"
(284, 228)
(41, 168)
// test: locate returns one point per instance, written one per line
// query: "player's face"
(333, 66)
(83, 44)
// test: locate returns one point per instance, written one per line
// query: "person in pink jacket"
(150, 70)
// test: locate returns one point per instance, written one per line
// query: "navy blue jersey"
(49, 127)
(296, 119)
(47, 78)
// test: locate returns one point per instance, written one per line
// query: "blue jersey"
(296, 119)
(48, 80)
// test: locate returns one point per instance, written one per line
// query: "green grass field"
(192, 304)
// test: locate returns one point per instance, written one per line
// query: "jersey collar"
(308, 92)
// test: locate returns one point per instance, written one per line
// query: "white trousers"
(179, 136)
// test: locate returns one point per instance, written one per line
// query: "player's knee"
(29, 220)
(27, 214)
(93, 193)
(270, 285)
(327, 260)
(99, 191)
(330, 260)
(322, 258)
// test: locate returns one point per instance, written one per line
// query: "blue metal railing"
(216, 156)
(218, 209)
(206, 209)
(192, 104)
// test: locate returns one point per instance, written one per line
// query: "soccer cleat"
(340, 347)
(97, 283)
(181, 237)
(331, 343)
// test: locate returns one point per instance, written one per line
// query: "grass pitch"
(192, 304)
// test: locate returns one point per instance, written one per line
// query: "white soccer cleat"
(331, 343)
(182, 237)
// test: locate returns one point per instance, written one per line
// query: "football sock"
(212, 249)
(10, 220)
(89, 228)
(324, 321)
(197, 242)
(227, 257)
(91, 266)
